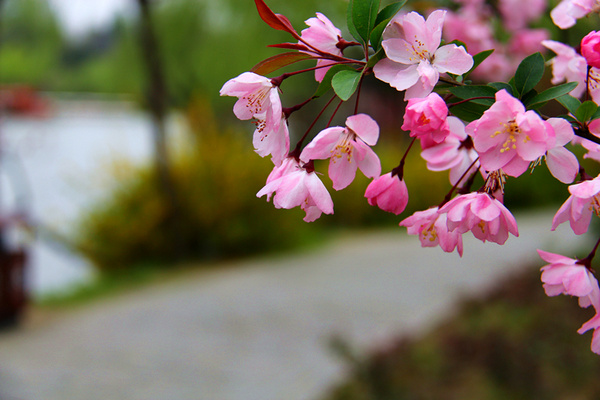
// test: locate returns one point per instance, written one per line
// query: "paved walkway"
(260, 331)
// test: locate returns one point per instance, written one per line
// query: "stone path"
(260, 329)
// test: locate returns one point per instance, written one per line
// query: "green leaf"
(376, 58)
(383, 18)
(467, 111)
(377, 33)
(569, 102)
(363, 15)
(325, 84)
(478, 59)
(389, 11)
(344, 83)
(502, 85)
(469, 92)
(278, 61)
(586, 110)
(596, 115)
(551, 94)
(529, 73)
(350, 21)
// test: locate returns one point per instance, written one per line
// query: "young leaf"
(569, 102)
(375, 58)
(551, 94)
(586, 110)
(344, 83)
(325, 84)
(278, 61)
(377, 33)
(275, 21)
(478, 59)
(529, 73)
(364, 14)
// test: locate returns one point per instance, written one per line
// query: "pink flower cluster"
(564, 275)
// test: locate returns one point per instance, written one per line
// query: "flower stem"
(399, 170)
(296, 152)
(449, 195)
(587, 262)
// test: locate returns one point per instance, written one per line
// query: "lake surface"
(55, 167)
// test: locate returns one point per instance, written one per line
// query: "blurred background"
(121, 166)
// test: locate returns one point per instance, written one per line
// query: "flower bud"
(590, 49)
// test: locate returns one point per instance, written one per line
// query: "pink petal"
(321, 146)
(365, 128)
(399, 76)
(452, 58)
(563, 164)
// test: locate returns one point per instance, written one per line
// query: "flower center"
(255, 101)
(510, 130)
(418, 50)
(430, 233)
(344, 146)
(595, 205)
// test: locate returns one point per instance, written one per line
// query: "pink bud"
(590, 49)
(388, 193)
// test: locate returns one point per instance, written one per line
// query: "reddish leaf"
(290, 46)
(278, 61)
(275, 21)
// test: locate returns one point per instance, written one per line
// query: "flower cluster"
(482, 134)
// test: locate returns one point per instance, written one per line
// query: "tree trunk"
(156, 97)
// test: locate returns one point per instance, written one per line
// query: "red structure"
(12, 286)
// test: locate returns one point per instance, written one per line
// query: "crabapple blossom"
(567, 12)
(590, 49)
(324, 36)
(431, 227)
(564, 275)
(388, 192)
(568, 66)
(527, 41)
(481, 214)
(562, 164)
(415, 59)
(516, 14)
(259, 100)
(425, 118)
(348, 150)
(297, 185)
(455, 153)
(579, 207)
(593, 323)
(507, 137)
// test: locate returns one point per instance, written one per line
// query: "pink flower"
(388, 192)
(431, 227)
(414, 56)
(593, 323)
(259, 100)
(563, 164)
(578, 209)
(324, 36)
(481, 214)
(294, 185)
(566, 275)
(426, 117)
(348, 149)
(590, 49)
(508, 137)
(516, 14)
(528, 41)
(455, 153)
(567, 12)
(568, 66)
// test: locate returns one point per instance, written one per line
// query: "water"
(55, 167)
